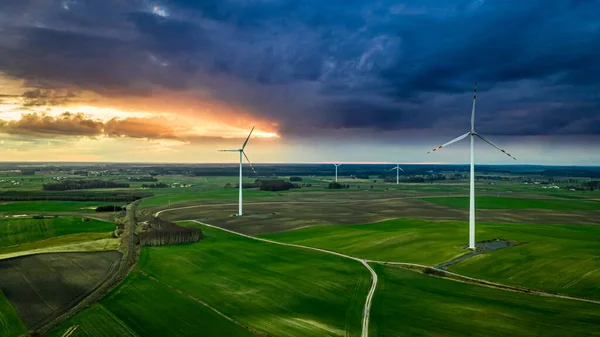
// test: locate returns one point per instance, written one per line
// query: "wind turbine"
(473, 134)
(336, 166)
(398, 169)
(241, 151)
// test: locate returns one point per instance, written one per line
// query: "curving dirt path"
(367, 310)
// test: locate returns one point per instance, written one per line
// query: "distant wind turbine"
(241, 151)
(336, 166)
(398, 169)
(473, 134)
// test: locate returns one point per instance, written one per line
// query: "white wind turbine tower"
(473, 134)
(336, 166)
(241, 151)
(398, 169)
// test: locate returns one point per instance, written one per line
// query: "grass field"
(282, 291)
(10, 322)
(557, 258)
(222, 194)
(82, 242)
(408, 303)
(562, 259)
(29, 207)
(486, 202)
(23, 230)
(133, 309)
(401, 240)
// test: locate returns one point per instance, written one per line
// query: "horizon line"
(285, 163)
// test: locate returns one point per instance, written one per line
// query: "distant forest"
(105, 196)
(82, 185)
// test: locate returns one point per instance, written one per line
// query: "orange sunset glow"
(79, 117)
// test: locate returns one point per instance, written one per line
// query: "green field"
(562, 259)
(276, 289)
(134, 309)
(272, 288)
(10, 322)
(50, 206)
(400, 240)
(408, 303)
(57, 243)
(559, 258)
(221, 194)
(485, 202)
(23, 230)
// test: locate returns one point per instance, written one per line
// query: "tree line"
(162, 232)
(267, 185)
(66, 185)
(144, 179)
(158, 185)
(106, 196)
(109, 208)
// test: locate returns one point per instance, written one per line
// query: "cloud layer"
(78, 124)
(316, 65)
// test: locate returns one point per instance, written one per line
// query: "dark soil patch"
(44, 285)
(480, 248)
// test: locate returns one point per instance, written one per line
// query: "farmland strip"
(190, 296)
(114, 317)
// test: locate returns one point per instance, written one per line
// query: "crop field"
(408, 303)
(558, 258)
(29, 207)
(24, 230)
(132, 310)
(317, 294)
(224, 194)
(40, 286)
(319, 209)
(274, 289)
(488, 202)
(82, 242)
(10, 322)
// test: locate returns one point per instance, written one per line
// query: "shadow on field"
(44, 285)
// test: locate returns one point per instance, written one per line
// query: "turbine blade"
(473, 111)
(251, 166)
(246, 142)
(401, 169)
(494, 145)
(450, 142)
(393, 169)
(229, 150)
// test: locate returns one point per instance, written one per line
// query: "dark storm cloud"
(327, 64)
(40, 97)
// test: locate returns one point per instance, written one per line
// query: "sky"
(322, 81)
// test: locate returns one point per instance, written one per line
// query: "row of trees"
(144, 179)
(267, 185)
(103, 196)
(82, 184)
(276, 185)
(109, 208)
(162, 232)
(337, 186)
(158, 185)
